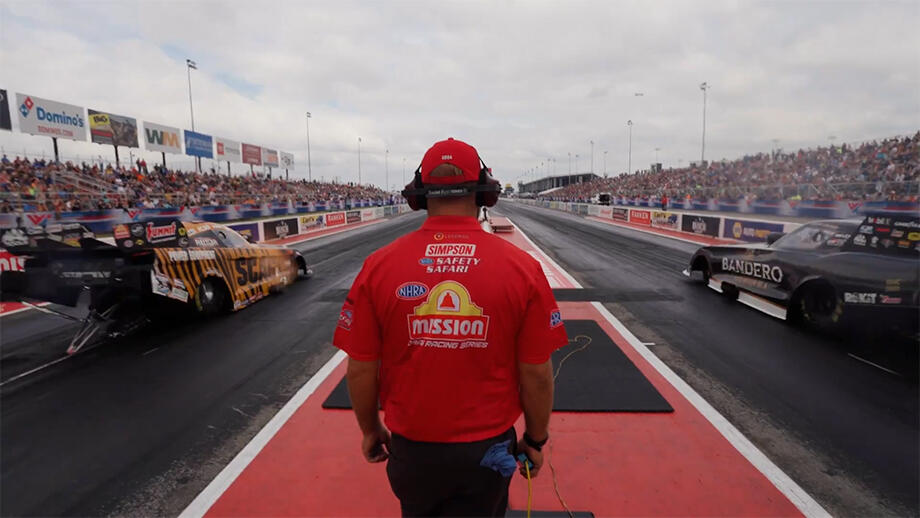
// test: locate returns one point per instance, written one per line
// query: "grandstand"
(888, 170)
(45, 186)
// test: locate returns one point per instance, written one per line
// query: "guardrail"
(724, 227)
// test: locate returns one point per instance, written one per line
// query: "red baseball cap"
(454, 152)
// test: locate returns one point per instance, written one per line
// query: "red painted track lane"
(612, 464)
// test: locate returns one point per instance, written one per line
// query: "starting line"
(692, 462)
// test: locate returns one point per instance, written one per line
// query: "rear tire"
(210, 298)
(815, 305)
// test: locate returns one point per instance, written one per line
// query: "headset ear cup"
(487, 198)
(410, 193)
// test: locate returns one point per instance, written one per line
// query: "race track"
(844, 430)
(141, 426)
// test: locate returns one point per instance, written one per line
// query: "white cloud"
(522, 81)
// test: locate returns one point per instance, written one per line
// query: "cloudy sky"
(524, 82)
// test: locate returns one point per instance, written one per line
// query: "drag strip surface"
(844, 430)
(140, 426)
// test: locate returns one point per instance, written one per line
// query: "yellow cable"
(529, 489)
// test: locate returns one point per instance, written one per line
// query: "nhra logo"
(155, 233)
(411, 290)
(448, 319)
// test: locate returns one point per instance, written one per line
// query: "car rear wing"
(54, 236)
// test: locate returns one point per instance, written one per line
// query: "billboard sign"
(5, 122)
(251, 154)
(269, 157)
(696, 224)
(162, 138)
(663, 219)
(228, 150)
(39, 116)
(642, 217)
(287, 160)
(198, 144)
(111, 129)
(749, 230)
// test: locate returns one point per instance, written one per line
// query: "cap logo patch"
(447, 157)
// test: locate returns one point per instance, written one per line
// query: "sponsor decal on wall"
(252, 155)
(228, 150)
(198, 144)
(619, 214)
(248, 230)
(353, 216)
(311, 222)
(335, 218)
(5, 121)
(111, 129)
(642, 217)
(39, 116)
(704, 225)
(668, 220)
(749, 230)
(162, 138)
(280, 228)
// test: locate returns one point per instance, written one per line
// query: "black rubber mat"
(595, 378)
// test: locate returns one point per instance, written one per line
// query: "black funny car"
(824, 272)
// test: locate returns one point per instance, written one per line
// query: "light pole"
(576, 163)
(605, 163)
(359, 160)
(386, 168)
(592, 156)
(404, 171)
(703, 86)
(309, 166)
(189, 66)
(656, 154)
(570, 163)
(629, 124)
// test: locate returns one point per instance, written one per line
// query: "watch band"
(537, 445)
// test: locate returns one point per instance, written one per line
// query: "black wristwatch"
(537, 445)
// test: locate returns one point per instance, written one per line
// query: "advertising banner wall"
(111, 129)
(353, 216)
(749, 230)
(162, 138)
(312, 222)
(287, 160)
(252, 155)
(705, 225)
(228, 150)
(335, 218)
(248, 230)
(269, 157)
(620, 214)
(280, 228)
(642, 217)
(368, 214)
(668, 220)
(39, 116)
(198, 144)
(5, 122)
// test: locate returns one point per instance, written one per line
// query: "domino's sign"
(198, 144)
(39, 116)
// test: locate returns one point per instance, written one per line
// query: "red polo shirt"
(449, 310)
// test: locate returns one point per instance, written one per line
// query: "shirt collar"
(468, 223)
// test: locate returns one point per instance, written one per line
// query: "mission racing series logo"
(448, 319)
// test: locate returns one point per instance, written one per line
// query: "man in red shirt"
(451, 329)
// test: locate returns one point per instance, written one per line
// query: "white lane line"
(36, 369)
(20, 310)
(225, 478)
(788, 487)
(877, 366)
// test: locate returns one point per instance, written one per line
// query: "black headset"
(486, 188)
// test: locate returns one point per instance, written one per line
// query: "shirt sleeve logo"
(555, 319)
(448, 318)
(411, 291)
(346, 317)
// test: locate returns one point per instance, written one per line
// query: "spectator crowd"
(39, 185)
(886, 170)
